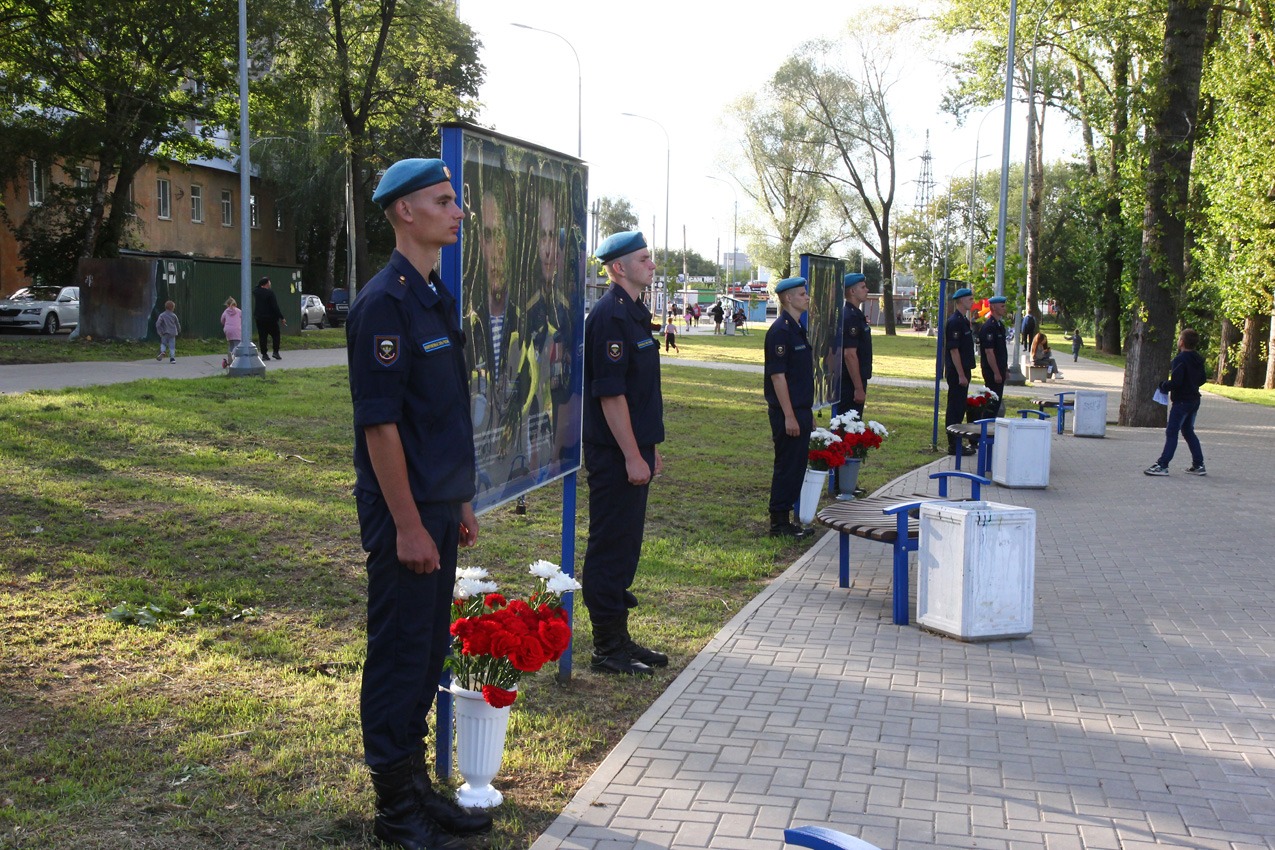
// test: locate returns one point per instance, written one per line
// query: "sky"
(681, 63)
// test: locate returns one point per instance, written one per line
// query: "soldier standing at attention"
(856, 346)
(623, 426)
(790, 397)
(958, 364)
(994, 353)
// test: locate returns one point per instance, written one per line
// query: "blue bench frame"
(903, 543)
(822, 838)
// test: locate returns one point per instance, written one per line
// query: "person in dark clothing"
(267, 315)
(958, 364)
(414, 470)
(1029, 326)
(994, 353)
(1077, 343)
(623, 427)
(1186, 376)
(856, 345)
(790, 395)
(717, 313)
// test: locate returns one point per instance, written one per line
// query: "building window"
(253, 221)
(83, 177)
(196, 203)
(227, 208)
(163, 199)
(37, 185)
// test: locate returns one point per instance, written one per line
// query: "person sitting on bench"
(1043, 355)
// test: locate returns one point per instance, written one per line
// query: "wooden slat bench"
(888, 519)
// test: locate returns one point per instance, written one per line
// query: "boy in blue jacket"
(1186, 376)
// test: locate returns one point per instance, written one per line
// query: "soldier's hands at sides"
(417, 550)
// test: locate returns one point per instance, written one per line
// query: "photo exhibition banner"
(823, 323)
(521, 262)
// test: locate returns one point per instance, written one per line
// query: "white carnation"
(545, 569)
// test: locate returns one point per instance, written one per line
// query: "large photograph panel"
(522, 308)
(823, 324)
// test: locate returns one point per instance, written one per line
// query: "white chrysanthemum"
(841, 421)
(468, 588)
(474, 573)
(545, 569)
(878, 428)
(823, 437)
(562, 583)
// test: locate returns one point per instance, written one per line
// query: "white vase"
(811, 487)
(480, 747)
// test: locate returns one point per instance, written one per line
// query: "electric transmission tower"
(925, 185)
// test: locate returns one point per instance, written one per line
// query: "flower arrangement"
(496, 641)
(857, 436)
(980, 397)
(826, 450)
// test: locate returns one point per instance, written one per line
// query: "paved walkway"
(1138, 714)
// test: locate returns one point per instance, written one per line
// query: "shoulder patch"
(615, 350)
(780, 350)
(386, 349)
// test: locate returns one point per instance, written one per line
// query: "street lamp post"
(734, 246)
(668, 160)
(1004, 195)
(579, 85)
(969, 257)
(246, 362)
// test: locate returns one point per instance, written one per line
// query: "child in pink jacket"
(232, 324)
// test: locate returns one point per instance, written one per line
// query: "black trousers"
(408, 623)
(955, 412)
(996, 410)
(267, 329)
(847, 400)
(790, 457)
(617, 520)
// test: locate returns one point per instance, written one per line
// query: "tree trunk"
(1036, 192)
(1252, 371)
(1112, 213)
(1269, 383)
(1171, 141)
(1227, 339)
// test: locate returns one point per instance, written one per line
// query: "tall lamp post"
(579, 85)
(969, 257)
(1009, 102)
(668, 160)
(734, 245)
(246, 361)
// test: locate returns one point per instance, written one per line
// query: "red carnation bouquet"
(826, 450)
(981, 397)
(857, 436)
(496, 641)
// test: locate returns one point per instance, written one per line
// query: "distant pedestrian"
(699, 311)
(1186, 376)
(717, 313)
(670, 335)
(689, 315)
(740, 318)
(1077, 343)
(267, 315)
(169, 327)
(232, 327)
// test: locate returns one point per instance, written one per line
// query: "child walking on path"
(232, 326)
(1077, 343)
(168, 326)
(1186, 376)
(670, 335)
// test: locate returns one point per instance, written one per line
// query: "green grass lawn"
(29, 348)
(238, 727)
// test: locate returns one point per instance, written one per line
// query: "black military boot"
(400, 820)
(444, 811)
(637, 652)
(611, 652)
(781, 527)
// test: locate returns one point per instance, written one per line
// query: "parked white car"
(44, 308)
(313, 312)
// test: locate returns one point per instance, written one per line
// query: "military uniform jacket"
(406, 356)
(992, 335)
(622, 358)
(958, 334)
(788, 353)
(856, 333)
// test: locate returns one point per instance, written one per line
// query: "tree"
(851, 116)
(614, 215)
(1161, 271)
(779, 172)
(107, 84)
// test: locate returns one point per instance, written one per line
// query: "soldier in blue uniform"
(790, 396)
(623, 426)
(994, 354)
(415, 471)
(856, 346)
(958, 364)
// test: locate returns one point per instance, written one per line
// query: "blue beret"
(406, 176)
(618, 244)
(853, 278)
(997, 299)
(789, 283)
(963, 292)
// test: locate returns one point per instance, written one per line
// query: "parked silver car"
(313, 312)
(44, 308)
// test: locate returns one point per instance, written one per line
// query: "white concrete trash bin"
(1089, 418)
(1020, 456)
(976, 569)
